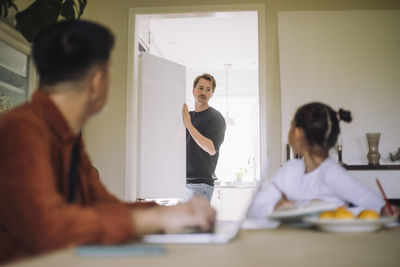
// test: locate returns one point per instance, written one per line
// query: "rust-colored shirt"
(35, 151)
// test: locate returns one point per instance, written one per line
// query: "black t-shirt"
(200, 165)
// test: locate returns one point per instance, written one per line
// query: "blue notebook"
(120, 251)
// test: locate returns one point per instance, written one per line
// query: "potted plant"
(42, 13)
(5, 7)
(239, 175)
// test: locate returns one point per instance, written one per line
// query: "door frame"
(132, 107)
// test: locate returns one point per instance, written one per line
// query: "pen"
(384, 197)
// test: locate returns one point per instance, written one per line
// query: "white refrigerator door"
(162, 135)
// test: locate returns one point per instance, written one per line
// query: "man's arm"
(205, 143)
(197, 212)
(36, 214)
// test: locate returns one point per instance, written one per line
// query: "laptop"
(224, 231)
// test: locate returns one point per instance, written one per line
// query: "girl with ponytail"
(314, 131)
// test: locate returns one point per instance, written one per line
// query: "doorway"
(227, 45)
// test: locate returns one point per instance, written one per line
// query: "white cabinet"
(216, 202)
(16, 68)
(161, 153)
(231, 202)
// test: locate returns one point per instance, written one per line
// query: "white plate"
(349, 225)
(299, 211)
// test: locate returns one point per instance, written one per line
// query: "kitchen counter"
(234, 184)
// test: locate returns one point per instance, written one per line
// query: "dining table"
(288, 245)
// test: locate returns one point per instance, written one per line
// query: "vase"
(373, 151)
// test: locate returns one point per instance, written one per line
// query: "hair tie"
(338, 116)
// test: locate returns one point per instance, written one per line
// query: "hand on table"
(386, 212)
(197, 212)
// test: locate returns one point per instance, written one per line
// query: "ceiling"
(207, 40)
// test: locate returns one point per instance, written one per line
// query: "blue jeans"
(204, 190)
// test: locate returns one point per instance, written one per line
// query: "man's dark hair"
(67, 50)
(207, 77)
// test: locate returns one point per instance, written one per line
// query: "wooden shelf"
(371, 167)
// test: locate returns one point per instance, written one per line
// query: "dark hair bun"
(345, 115)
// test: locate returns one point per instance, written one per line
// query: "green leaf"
(3, 9)
(82, 5)
(73, 9)
(42, 13)
(39, 15)
(67, 10)
(5, 5)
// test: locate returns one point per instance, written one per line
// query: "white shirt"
(329, 182)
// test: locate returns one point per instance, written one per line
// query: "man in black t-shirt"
(205, 131)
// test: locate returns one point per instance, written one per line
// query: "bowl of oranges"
(343, 220)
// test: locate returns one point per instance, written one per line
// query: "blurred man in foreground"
(50, 194)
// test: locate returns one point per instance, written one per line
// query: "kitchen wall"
(105, 135)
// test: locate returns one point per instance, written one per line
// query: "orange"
(343, 214)
(327, 215)
(368, 215)
(341, 208)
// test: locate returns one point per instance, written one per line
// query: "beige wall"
(364, 68)
(105, 134)
(22, 4)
